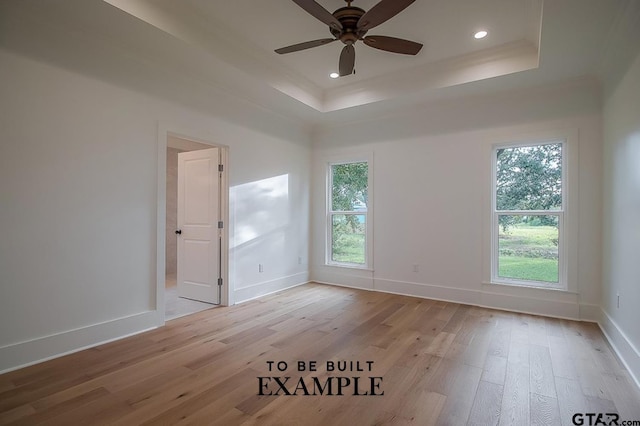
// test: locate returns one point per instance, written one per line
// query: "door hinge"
(220, 281)
(220, 225)
(220, 167)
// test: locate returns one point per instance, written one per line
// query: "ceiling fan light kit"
(350, 24)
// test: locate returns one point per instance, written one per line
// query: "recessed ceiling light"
(334, 75)
(480, 34)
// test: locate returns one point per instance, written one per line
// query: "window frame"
(564, 260)
(368, 249)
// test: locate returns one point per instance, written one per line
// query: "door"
(198, 234)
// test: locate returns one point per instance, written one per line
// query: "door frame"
(164, 133)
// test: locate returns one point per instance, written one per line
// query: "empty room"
(330, 212)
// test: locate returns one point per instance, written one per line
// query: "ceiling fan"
(350, 24)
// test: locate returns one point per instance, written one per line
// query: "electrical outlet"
(260, 267)
(299, 260)
(416, 268)
(618, 294)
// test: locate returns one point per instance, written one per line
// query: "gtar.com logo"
(595, 419)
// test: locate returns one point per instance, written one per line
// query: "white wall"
(78, 188)
(621, 266)
(432, 189)
(78, 185)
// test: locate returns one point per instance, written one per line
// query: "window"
(529, 202)
(348, 214)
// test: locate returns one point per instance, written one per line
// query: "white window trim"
(365, 158)
(568, 225)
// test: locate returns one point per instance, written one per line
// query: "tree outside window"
(529, 213)
(348, 209)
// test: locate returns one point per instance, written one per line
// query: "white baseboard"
(23, 354)
(345, 277)
(531, 305)
(260, 289)
(551, 303)
(543, 302)
(622, 345)
(436, 292)
(589, 312)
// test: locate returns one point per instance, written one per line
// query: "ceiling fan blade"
(392, 44)
(381, 12)
(305, 45)
(319, 12)
(347, 60)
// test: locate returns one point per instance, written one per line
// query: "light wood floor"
(176, 307)
(441, 363)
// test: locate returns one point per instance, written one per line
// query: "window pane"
(529, 178)
(348, 238)
(528, 247)
(349, 187)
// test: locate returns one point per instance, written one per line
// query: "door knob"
(179, 231)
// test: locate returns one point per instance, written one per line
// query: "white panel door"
(198, 235)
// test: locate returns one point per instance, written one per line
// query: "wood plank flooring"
(440, 363)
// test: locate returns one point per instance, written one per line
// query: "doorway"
(177, 279)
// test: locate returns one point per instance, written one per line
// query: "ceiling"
(451, 55)
(568, 37)
(273, 24)
(230, 45)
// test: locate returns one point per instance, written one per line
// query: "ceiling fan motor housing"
(348, 17)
